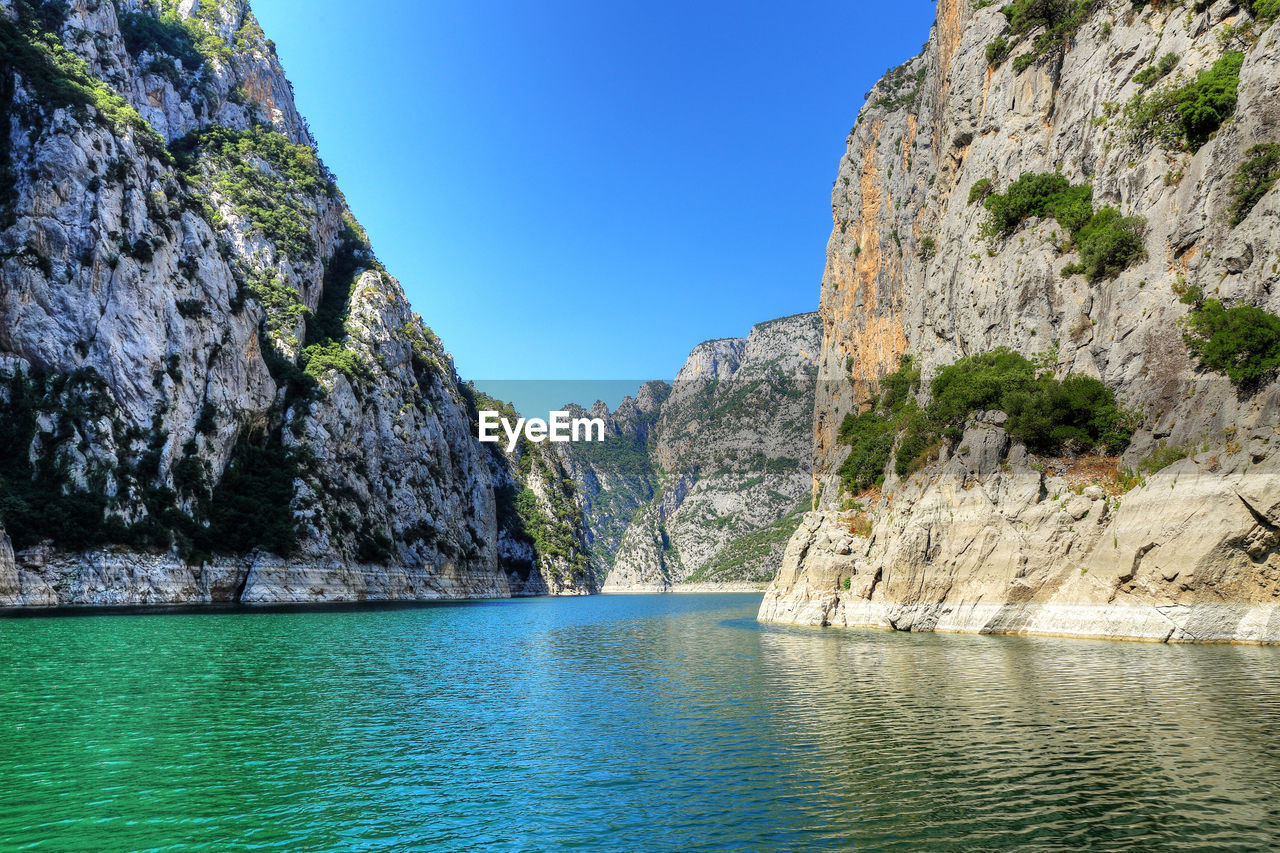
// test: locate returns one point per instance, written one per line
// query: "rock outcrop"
(728, 452)
(616, 477)
(210, 389)
(987, 537)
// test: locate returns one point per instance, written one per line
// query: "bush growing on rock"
(1031, 195)
(1047, 414)
(1156, 71)
(980, 190)
(1108, 241)
(1058, 21)
(1188, 114)
(1265, 11)
(871, 434)
(1256, 177)
(1242, 342)
(31, 46)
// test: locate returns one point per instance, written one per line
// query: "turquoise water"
(621, 723)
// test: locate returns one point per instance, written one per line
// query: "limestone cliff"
(729, 455)
(211, 389)
(1154, 108)
(615, 477)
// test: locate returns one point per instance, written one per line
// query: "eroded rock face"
(9, 587)
(222, 394)
(731, 455)
(1193, 555)
(615, 478)
(908, 271)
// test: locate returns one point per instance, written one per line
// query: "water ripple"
(621, 723)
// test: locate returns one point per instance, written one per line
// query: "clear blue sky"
(587, 188)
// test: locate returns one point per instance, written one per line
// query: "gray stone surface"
(964, 545)
(731, 453)
(170, 333)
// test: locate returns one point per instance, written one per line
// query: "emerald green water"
(621, 723)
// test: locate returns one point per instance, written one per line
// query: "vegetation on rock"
(1242, 342)
(1156, 71)
(1256, 177)
(31, 48)
(1057, 21)
(903, 87)
(1190, 113)
(1265, 11)
(1108, 241)
(273, 183)
(1048, 414)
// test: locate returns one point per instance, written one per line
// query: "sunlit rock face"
(212, 391)
(729, 459)
(1005, 543)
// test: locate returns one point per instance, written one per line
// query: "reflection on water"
(622, 723)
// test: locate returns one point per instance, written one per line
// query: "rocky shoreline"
(40, 578)
(649, 589)
(993, 541)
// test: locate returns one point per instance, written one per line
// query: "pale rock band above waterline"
(223, 396)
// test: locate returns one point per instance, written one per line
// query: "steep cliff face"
(729, 452)
(211, 389)
(1140, 104)
(615, 477)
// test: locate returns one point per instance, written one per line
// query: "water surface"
(621, 723)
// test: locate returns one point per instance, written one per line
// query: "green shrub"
(1242, 342)
(1077, 409)
(319, 359)
(1265, 11)
(1073, 207)
(976, 383)
(1188, 114)
(1157, 71)
(1256, 177)
(871, 434)
(903, 88)
(998, 51)
(1162, 457)
(980, 190)
(283, 306)
(1027, 15)
(1022, 63)
(1031, 195)
(1045, 413)
(267, 179)
(871, 437)
(928, 248)
(60, 78)
(1058, 21)
(1109, 243)
(168, 34)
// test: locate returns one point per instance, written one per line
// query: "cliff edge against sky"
(210, 388)
(1087, 184)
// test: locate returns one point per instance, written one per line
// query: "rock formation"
(1140, 104)
(210, 389)
(724, 475)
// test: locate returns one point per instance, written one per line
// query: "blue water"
(622, 723)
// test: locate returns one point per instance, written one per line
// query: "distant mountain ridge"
(700, 480)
